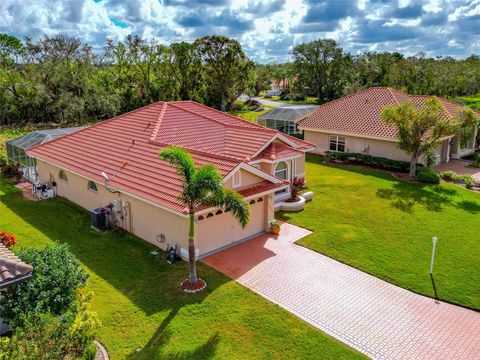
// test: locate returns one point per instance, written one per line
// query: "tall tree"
(421, 129)
(202, 186)
(321, 66)
(184, 71)
(227, 71)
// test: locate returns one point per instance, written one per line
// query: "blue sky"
(267, 30)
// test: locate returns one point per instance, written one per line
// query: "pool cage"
(16, 148)
(285, 118)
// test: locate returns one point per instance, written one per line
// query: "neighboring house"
(285, 118)
(255, 161)
(16, 148)
(12, 272)
(353, 124)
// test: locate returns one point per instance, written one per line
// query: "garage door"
(217, 230)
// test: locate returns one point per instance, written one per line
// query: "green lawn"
(144, 313)
(308, 100)
(369, 220)
(471, 101)
(251, 115)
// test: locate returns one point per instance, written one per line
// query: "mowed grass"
(472, 101)
(143, 312)
(368, 219)
(251, 115)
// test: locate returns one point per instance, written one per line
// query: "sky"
(267, 30)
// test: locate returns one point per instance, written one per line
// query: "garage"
(219, 229)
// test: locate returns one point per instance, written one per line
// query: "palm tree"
(202, 187)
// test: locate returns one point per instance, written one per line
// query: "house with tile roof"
(353, 124)
(255, 161)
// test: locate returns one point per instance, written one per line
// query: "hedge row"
(376, 161)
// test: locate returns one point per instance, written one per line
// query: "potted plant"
(275, 227)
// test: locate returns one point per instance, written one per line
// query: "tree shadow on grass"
(162, 337)
(124, 262)
(404, 196)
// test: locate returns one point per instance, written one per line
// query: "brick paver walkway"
(379, 319)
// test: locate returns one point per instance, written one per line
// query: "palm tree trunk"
(192, 274)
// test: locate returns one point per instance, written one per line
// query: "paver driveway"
(375, 317)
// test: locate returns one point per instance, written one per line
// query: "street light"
(434, 241)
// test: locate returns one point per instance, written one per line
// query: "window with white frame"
(337, 143)
(281, 171)
(237, 179)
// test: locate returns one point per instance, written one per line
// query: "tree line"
(59, 79)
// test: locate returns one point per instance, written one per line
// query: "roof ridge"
(98, 124)
(156, 129)
(231, 116)
(394, 97)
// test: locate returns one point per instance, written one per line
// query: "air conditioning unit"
(100, 218)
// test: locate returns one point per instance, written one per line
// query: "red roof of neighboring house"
(127, 146)
(359, 113)
(12, 269)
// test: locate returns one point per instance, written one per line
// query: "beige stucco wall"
(377, 147)
(223, 229)
(147, 220)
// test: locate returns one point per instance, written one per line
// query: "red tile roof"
(260, 188)
(128, 146)
(359, 113)
(276, 151)
(12, 269)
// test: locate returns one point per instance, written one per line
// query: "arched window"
(219, 212)
(259, 200)
(252, 202)
(281, 170)
(92, 186)
(62, 175)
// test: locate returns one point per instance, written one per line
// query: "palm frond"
(181, 159)
(207, 180)
(235, 203)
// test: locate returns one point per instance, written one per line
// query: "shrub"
(430, 158)
(274, 224)
(12, 171)
(476, 160)
(56, 277)
(292, 97)
(48, 336)
(448, 175)
(469, 183)
(375, 161)
(7, 239)
(428, 176)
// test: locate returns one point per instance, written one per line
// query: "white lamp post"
(434, 241)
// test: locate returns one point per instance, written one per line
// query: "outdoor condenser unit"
(100, 218)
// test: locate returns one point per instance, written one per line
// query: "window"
(62, 175)
(237, 179)
(281, 170)
(337, 143)
(92, 186)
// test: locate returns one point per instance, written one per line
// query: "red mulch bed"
(290, 200)
(193, 288)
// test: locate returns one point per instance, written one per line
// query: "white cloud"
(267, 29)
